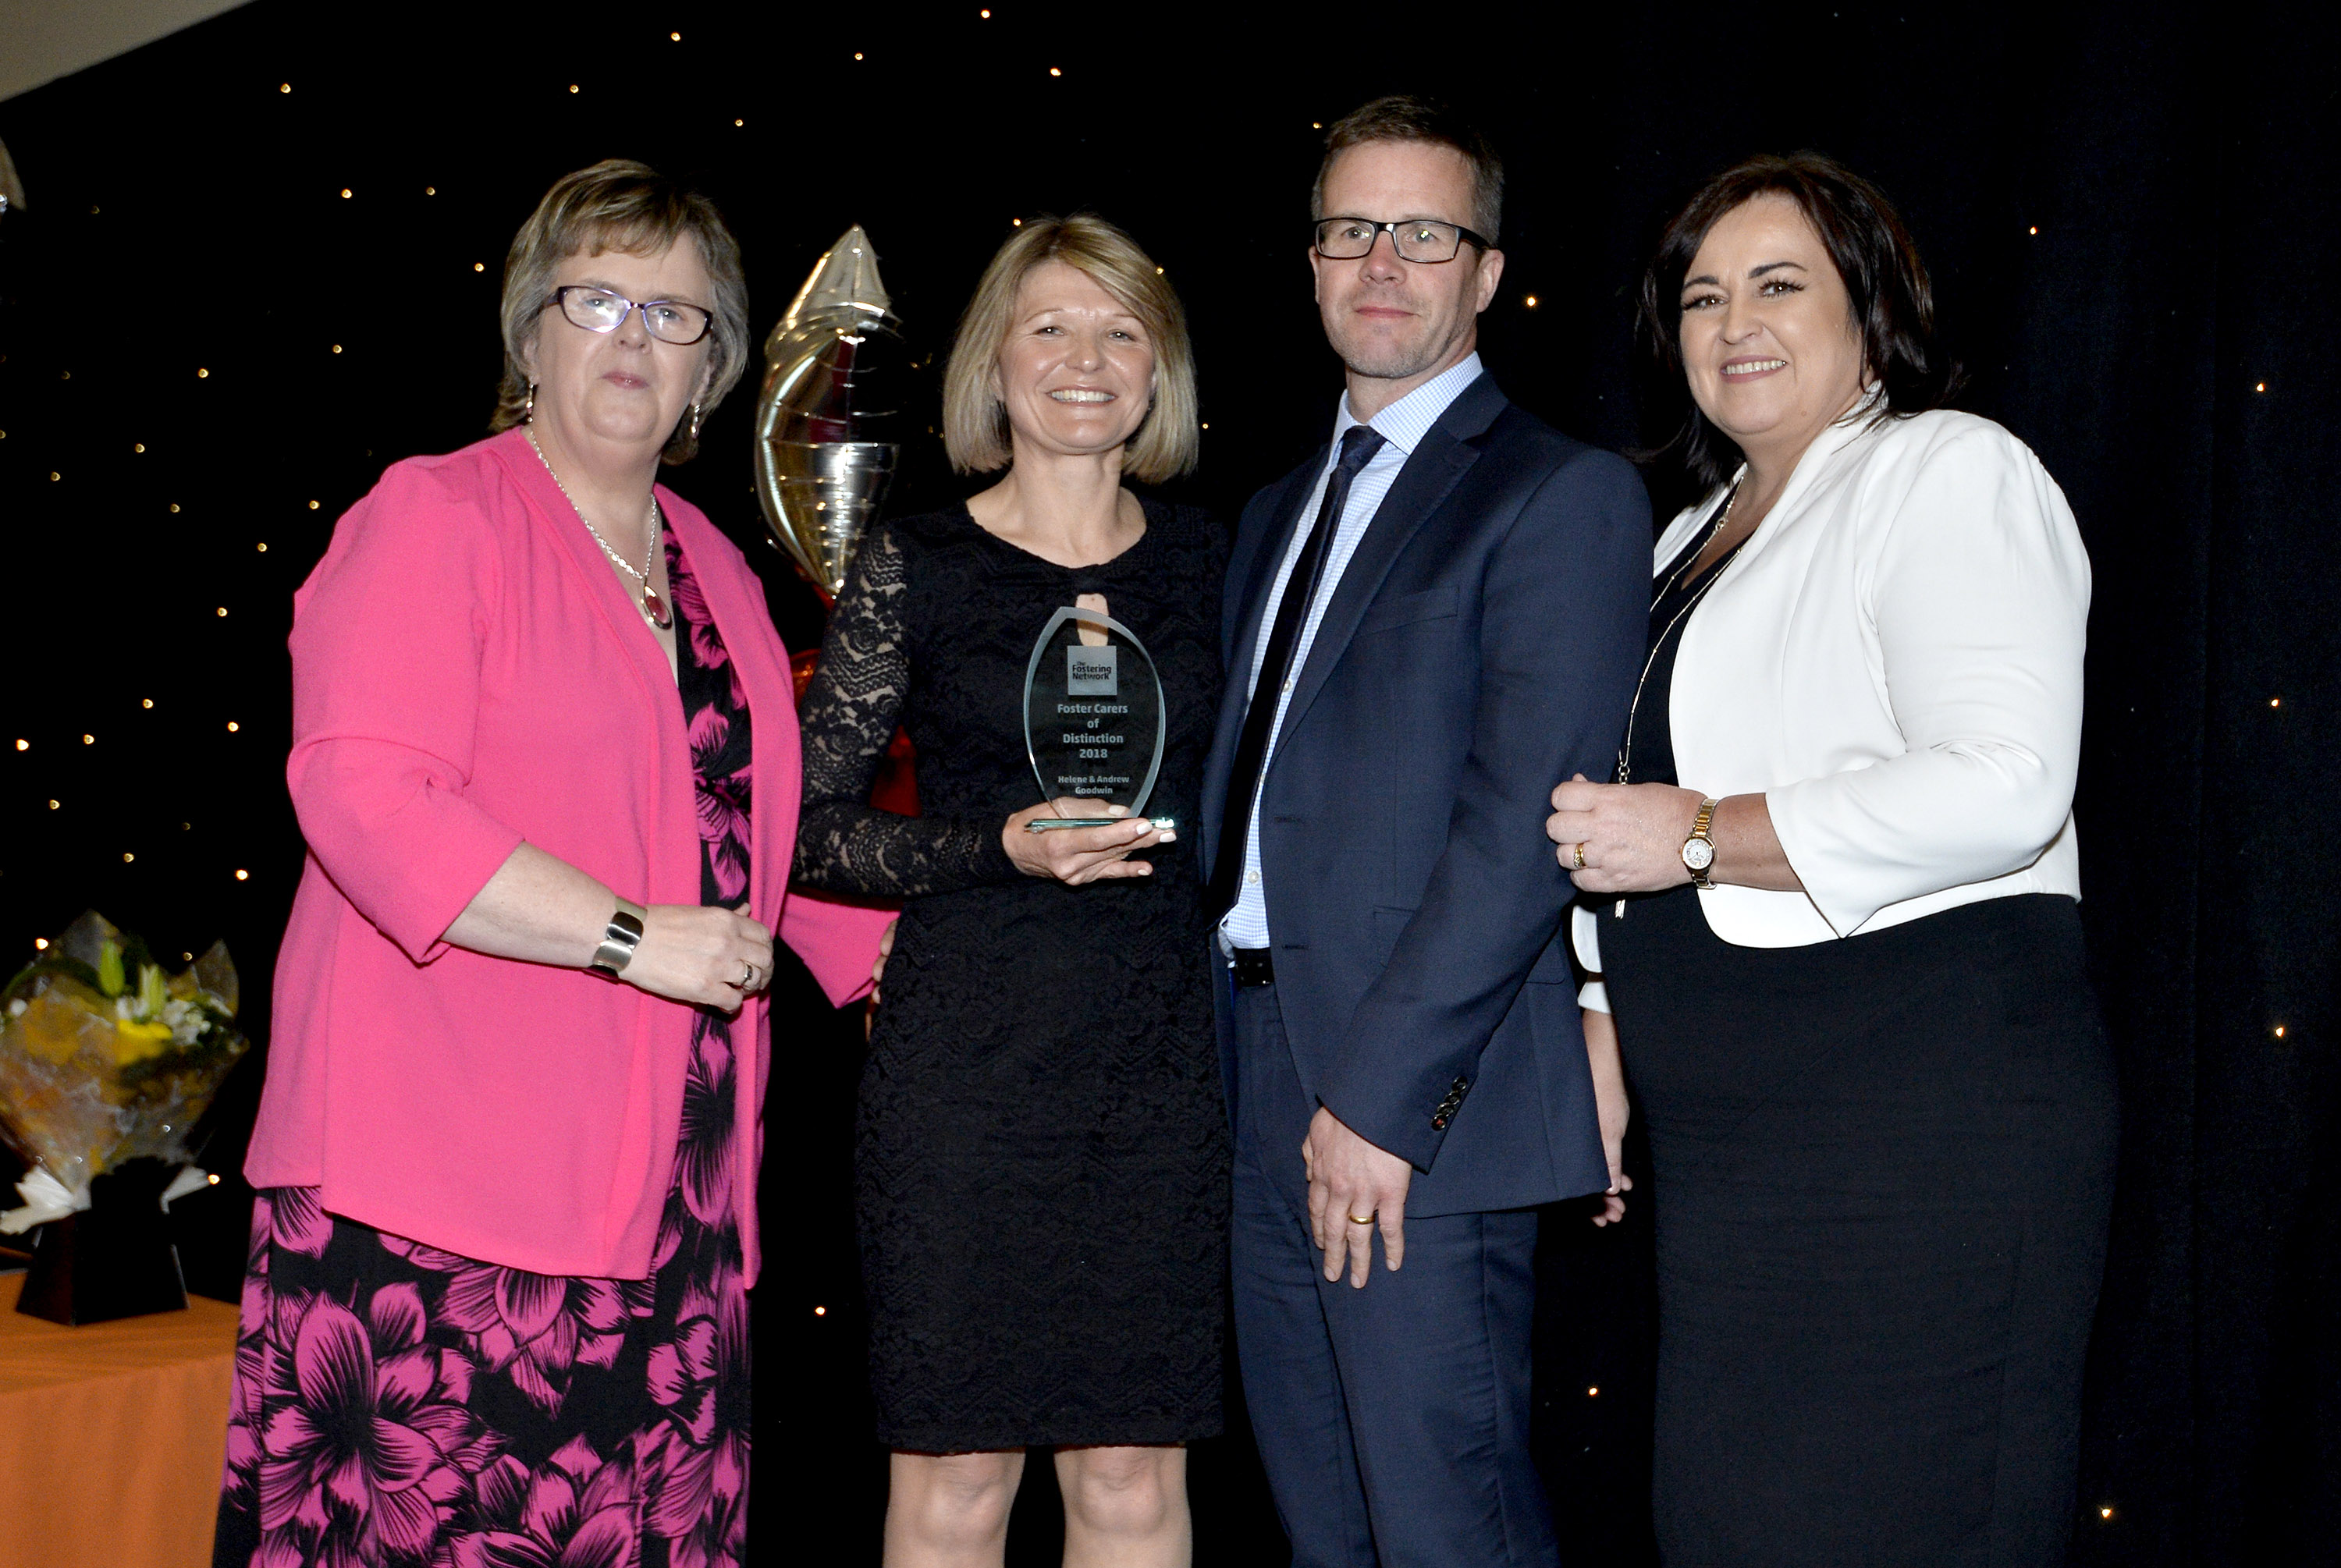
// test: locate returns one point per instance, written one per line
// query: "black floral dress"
(395, 1404)
(1041, 1158)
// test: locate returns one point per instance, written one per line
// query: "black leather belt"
(1252, 966)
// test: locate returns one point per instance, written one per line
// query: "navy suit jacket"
(1482, 647)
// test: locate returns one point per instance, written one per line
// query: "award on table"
(1093, 720)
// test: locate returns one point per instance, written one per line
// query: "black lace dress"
(1041, 1163)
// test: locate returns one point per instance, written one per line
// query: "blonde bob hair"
(619, 205)
(975, 424)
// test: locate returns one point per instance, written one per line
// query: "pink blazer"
(468, 673)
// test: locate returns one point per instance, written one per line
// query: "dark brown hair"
(1886, 286)
(1402, 117)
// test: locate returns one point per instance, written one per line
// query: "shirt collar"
(1404, 422)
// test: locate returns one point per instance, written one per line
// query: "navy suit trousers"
(1392, 1421)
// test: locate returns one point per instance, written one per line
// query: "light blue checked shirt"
(1402, 426)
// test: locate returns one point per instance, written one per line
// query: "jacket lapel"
(1814, 469)
(1443, 457)
(734, 604)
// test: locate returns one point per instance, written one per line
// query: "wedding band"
(1577, 857)
(748, 980)
(1368, 1219)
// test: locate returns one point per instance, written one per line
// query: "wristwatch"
(1699, 849)
(619, 940)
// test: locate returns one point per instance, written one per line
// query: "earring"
(528, 411)
(697, 413)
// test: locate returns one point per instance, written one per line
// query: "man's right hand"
(1355, 1190)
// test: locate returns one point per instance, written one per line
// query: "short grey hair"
(619, 205)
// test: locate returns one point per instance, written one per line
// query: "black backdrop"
(228, 304)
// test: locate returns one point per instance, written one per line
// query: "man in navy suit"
(1429, 621)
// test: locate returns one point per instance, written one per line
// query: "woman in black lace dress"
(1042, 1157)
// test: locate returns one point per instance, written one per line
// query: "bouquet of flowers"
(105, 1057)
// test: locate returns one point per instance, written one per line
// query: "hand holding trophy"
(1093, 729)
(1093, 720)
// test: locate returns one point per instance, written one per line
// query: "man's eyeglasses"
(1424, 240)
(601, 311)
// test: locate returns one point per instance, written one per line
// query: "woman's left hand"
(878, 976)
(1631, 835)
(885, 952)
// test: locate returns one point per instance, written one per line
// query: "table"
(113, 1436)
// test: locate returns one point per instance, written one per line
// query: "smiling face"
(622, 388)
(1402, 322)
(1076, 371)
(1768, 340)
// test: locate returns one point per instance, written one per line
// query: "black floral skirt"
(398, 1405)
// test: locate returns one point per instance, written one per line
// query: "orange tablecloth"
(112, 1436)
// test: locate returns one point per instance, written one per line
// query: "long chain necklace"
(1722, 516)
(1626, 746)
(653, 607)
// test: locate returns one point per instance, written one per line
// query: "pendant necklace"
(653, 607)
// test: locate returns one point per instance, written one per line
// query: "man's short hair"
(1402, 117)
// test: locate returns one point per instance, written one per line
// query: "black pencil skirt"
(1883, 1170)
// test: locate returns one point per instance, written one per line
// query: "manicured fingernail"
(1168, 837)
(1117, 810)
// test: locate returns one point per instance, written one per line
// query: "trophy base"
(1043, 824)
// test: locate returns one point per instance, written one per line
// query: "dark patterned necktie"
(1359, 444)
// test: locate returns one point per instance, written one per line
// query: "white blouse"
(1894, 659)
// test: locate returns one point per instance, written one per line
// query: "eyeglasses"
(601, 311)
(1425, 240)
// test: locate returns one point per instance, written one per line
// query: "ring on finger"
(748, 977)
(1363, 1219)
(1577, 857)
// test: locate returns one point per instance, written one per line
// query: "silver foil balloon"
(825, 411)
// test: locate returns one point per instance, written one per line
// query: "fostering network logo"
(1092, 671)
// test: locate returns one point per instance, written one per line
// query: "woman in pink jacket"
(546, 758)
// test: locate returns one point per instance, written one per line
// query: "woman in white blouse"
(1831, 900)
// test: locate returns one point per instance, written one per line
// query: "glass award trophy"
(1093, 719)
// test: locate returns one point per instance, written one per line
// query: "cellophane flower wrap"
(106, 1057)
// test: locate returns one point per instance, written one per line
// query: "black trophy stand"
(113, 1259)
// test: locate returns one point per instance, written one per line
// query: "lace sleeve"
(844, 844)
